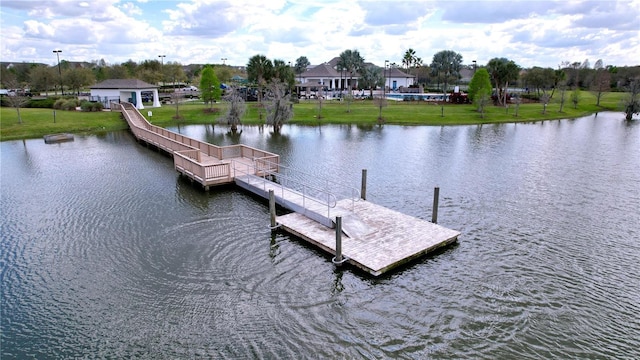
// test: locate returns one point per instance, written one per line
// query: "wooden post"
(434, 213)
(272, 208)
(363, 187)
(338, 258)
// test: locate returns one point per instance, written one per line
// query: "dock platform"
(380, 239)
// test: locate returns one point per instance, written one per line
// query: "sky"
(531, 33)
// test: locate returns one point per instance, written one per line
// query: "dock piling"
(338, 258)
(434, 212)
(272, 209)
(363, 187)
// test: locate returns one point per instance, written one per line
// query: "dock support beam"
(363, 187)
(434, 212)
(272, 209)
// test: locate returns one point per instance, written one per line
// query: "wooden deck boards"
(389, 239)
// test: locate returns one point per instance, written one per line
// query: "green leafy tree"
(446, 65)
(209, 86)
(259, 70)
(539, 79)
(480, 84)
(78, 78)
(42, 78)
(502, 72)
(480, 90)
(283, 72)
(301, 65)
(370, 78)
(223, 73)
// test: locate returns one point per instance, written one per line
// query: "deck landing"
(380, 238)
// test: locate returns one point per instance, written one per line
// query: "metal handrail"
(354, 193)
(331, 200)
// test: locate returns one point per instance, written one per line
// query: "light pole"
(474, 66)
(223, 60)
(57, 52)
(162, 66)
(386, 63)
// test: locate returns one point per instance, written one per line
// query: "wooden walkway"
(376, 239)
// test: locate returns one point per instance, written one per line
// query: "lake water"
(106, 252)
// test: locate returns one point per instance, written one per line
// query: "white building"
(129, 90)
(328, 76)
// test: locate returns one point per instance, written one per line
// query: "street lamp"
(57, 52)
(474, 66)
(223, 60)
(386, 63)
(162, 66)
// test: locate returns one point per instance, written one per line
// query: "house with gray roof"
(328, 76)
(129, 90)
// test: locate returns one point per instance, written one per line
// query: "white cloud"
(541, 33)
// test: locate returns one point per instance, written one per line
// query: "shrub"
(41, 103)
(89, 106)
(66, 104)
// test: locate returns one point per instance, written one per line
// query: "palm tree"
(409, 58)
(259, 71)
(350, 61)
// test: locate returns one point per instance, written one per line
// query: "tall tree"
(351, 62)
(408, 58)
(446, 65)
(76, 79)
(370, 78)
(42, 78)
(502, 71)
(480, 89)
(539, 79)
(17, 99)
(301, 65)
(209, 86)
(283, 72)
(235, 110)
(601, 82)
(259, 71)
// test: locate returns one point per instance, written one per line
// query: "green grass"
(39, 122)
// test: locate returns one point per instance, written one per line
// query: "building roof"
(397, 73)
(123, 84)
(323, 71)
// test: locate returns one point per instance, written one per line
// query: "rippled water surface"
(106, 252)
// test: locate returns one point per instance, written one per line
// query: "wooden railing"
(188, 153)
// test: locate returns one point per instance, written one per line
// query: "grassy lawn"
(39, 122)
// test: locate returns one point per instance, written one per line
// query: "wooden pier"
(373, 238)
